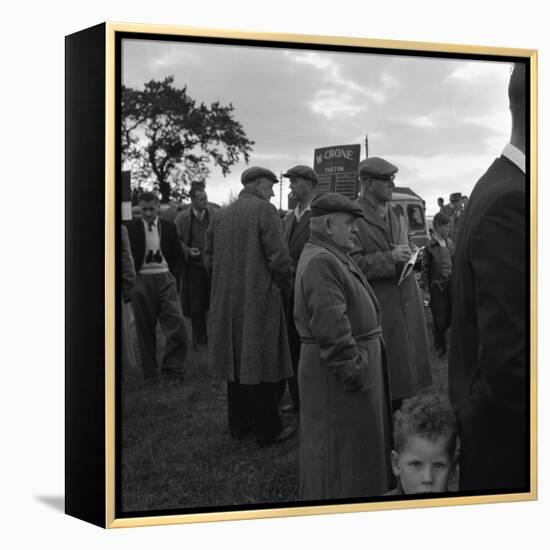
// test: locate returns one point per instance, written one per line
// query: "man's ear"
(328, 224)
(394, 463)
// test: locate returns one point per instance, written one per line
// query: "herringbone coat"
(251, 280)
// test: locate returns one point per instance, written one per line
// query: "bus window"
(416, 217)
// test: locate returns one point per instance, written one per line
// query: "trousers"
(155, 299)
(254, 408)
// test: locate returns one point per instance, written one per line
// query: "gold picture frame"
(93, 80)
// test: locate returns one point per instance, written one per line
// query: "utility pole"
(366, 146)
(280, 191)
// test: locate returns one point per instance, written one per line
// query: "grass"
(177, 453)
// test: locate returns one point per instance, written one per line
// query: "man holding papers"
(382, 251)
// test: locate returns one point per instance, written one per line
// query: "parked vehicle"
(412, 208)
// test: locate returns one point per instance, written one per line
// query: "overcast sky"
(441, 121)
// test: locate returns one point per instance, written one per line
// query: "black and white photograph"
(257, 404)
(323, 275)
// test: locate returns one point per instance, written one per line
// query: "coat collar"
(320, 239)
(372, 216)
(250, 191)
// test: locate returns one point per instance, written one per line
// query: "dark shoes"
(285, 434)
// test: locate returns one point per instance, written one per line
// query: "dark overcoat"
(345, 415)
(296, 234)
(488, 372)
(251, 280)
(193, 278)
(403, 318)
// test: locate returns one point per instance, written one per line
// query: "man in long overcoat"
(383, 249)
(191, 225)
(488, 370)
(251, 280)
(345, 414)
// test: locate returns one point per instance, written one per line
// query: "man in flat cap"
(453, 210)
(488, 368)
(345, 414)
(191, 224)
(303, 183)
(251, 280)
(383, 249)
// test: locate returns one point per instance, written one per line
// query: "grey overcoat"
(251, 280)
(345, 416)
(403, 318)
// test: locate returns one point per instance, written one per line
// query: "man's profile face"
(264, 186)
(200, 200)
(423, 465)
(381, 190)
(149, 210)
(300, 187)
(342, 229)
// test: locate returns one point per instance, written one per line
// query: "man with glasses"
(382, 251)
(158, 258)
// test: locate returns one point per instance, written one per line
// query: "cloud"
(442, 119)
(331, 104)
(331, 72)
(471, 71)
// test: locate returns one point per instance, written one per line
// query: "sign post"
(337, 168)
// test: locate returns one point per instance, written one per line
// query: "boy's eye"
(416, 464)
(440, 465)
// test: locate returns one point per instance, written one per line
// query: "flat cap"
(455, 196)
(329, 203)
(256, 172)
(301, 171)
(376, 167)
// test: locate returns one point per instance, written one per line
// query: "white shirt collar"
(299, 214)
(198, 215)
(146, 224)
(513, 154)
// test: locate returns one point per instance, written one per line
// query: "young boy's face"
(443, 229)
(423, 465)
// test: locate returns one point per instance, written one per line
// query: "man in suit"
(303, 183)
(383, 249)
(191, 225)
(157, 257)
(488, 372)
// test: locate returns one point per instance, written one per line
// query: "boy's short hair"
(441, 219)
(428, 415)
(148, 196)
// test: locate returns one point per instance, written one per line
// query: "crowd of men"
(317, 301)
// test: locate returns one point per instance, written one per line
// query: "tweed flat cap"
(329, 203)
(301, 171)
(455, 196)
(256, 172)
(376, 167)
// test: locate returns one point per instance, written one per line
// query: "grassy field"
(177, 453)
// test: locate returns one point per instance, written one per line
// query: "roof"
(405, 196)
(405, 191)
